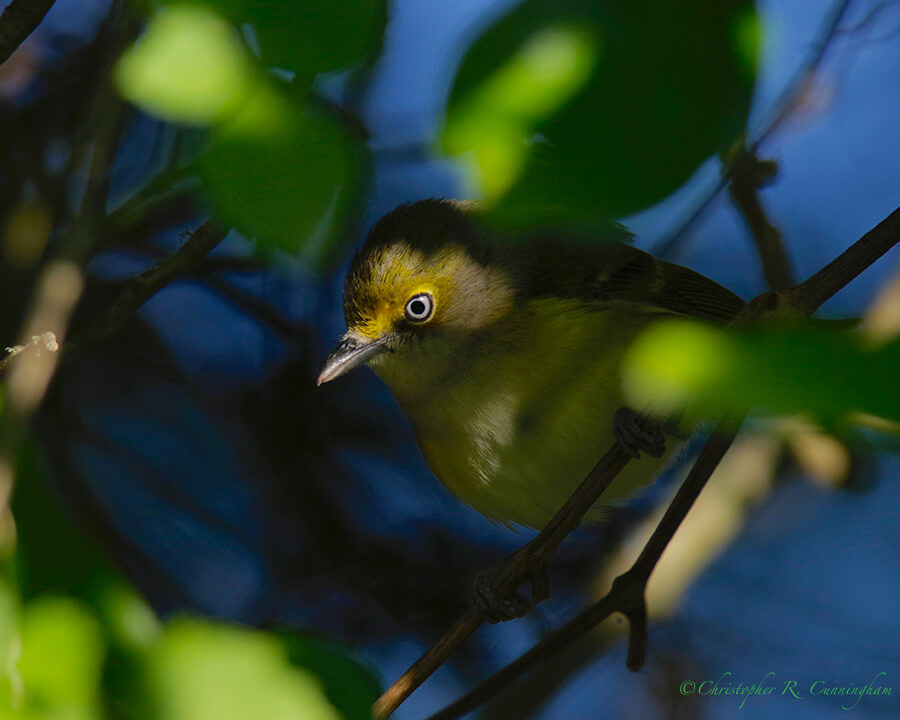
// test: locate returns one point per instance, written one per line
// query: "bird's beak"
(352, 352)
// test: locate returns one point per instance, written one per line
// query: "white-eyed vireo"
(506, 357)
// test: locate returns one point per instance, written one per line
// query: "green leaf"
(12, 691)
(206, 671)
(679, 364)
(63, 647)
(310, 36)
(316, 36)
(349, 685)
(575, 112)
(189, 66)
(285, 175)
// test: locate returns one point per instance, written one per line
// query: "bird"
(506, 353)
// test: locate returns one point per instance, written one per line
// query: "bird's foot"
(487, 602)
(628, 431)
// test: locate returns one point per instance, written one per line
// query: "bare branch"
(845, 267)
(781, 110)
(750, 175)
(625, 596)
(537, 552)
(143, 287)
(18, 21)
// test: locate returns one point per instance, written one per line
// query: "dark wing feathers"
(616, 272)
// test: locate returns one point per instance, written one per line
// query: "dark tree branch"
(143, 287)
(627, 593)
(18, 21)
(781, 110)
(750, 175)
(812, 293)
(625, 596)
(536, 553)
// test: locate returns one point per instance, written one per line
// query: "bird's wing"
(616, 272)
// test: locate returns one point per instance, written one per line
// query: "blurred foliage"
(576, 112)
(309, 37)
(785, 369)
(99, 651)
(193, 38)
(279, 166)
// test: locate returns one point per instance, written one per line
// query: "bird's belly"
(516, 469)
(515, 438)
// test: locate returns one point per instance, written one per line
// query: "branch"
(625, 596)
(627, 592)
(811, 294)
(778, 114)
(520, 566)
(44, 342)
(750, 175)
(143, 287)
(18, 21)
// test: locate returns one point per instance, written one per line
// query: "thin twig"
(781, 110)
(628, 590)
(750, 175)
(143, 287)
(520, 566)
(811, 294)
(18, 21)
(625, 596)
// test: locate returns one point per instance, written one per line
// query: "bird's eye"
(419, 307)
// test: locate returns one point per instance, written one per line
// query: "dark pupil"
(417, 308)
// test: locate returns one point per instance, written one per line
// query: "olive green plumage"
(505, 356)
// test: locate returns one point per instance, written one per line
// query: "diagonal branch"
(143, 287)
(781, 110)
(18, 21)
(625, 596)
(535, 553)
(628, 590)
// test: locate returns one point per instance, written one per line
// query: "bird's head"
(424, 272)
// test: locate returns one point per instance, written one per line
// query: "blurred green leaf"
(312, 36)
(52, 555)
(283, 173)
(63, 648)
(805, 369)
(497, 120)
(316, 36)
(12, 692)
(290, 186)
(188, 66)
(574, 112)
(349, 685)
(205, 671)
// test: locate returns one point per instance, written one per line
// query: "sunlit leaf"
(204, 671)
(632, 96)
(496, 122)
(12, 692)
(308, 37)
(130, 620)
(62, 655)
(805, 369)
(188, 66)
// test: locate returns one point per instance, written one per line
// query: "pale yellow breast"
(513, 418)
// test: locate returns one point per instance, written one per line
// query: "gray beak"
(351, 353)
